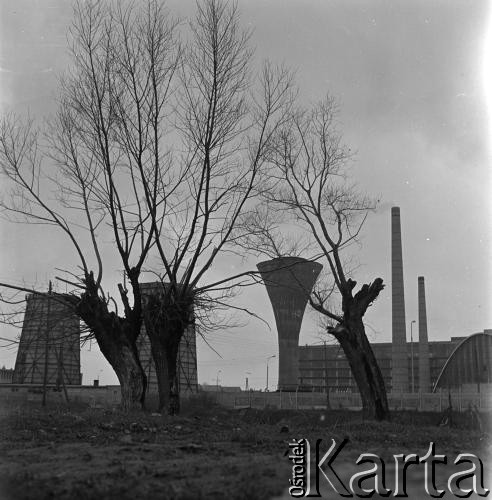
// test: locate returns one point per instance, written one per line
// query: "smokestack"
(424, 369)
(399, 369)
(289, 281)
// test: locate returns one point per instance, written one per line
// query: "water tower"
(289, 281)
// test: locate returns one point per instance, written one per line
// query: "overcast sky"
(411, 77)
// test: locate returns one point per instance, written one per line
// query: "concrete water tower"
(289, 281)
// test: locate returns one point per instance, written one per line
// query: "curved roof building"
(469, 363)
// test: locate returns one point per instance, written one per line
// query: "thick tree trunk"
(165, 337)
(126, 364)
(351, 335)
(166, 317)
(165, 356)
(116, 338)
(365, 370)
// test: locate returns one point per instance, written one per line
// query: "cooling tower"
(49, 347)
(399, 360)
(289, 281)
(424, 369)
(187, 364)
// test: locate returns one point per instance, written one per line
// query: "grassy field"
(206, 452)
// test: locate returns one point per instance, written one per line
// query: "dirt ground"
(206, 452)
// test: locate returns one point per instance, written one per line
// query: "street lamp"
(268, 359)
(411, 353)
(217, 381)
(246, 385)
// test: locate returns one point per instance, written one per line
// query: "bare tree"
(98, 165)
(310, 182)
(226, 115)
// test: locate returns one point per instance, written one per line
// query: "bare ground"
(207, 452)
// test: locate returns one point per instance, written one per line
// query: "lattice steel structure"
(49, 346)
(187, 364)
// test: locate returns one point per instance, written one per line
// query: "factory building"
(469, 364)
(187, 364)
(6, 375)
(453, 364)
(49, 346)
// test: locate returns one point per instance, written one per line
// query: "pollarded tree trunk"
(365, 369)
(124, 359)
(166, 317)
(116, 338)
(165, 336)
(351, 335)
(165, 355)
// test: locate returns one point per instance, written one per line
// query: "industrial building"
(49, 346)
(187, 363)
(469, 363)
(420, 366)
(6, 375)
(452, 363)
(322, 365)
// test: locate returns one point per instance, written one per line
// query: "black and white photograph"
(245, 249)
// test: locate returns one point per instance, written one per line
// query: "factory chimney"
(424, 369)
(399, 359)
(289, 281)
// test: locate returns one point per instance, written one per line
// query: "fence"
(460, 401)
(96, 397)
(110, 396)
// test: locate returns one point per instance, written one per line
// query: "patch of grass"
(206, 452)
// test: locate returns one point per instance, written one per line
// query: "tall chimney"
(424, 369)
(399, 359)
(289, 281)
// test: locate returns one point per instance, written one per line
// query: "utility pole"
(46, 346)
(268, 359)
(327, 389)
(411, 354)
(61, 370)
(217, 381)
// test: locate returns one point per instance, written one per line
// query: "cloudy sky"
(411, 77)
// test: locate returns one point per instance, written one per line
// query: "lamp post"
(98, 376)
(411, 353)
(246, 385)
(268, 359)
(217, 381)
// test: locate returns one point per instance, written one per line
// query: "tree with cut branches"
(226, 116)
(95, 168)
(309, 182)
(163, 143)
